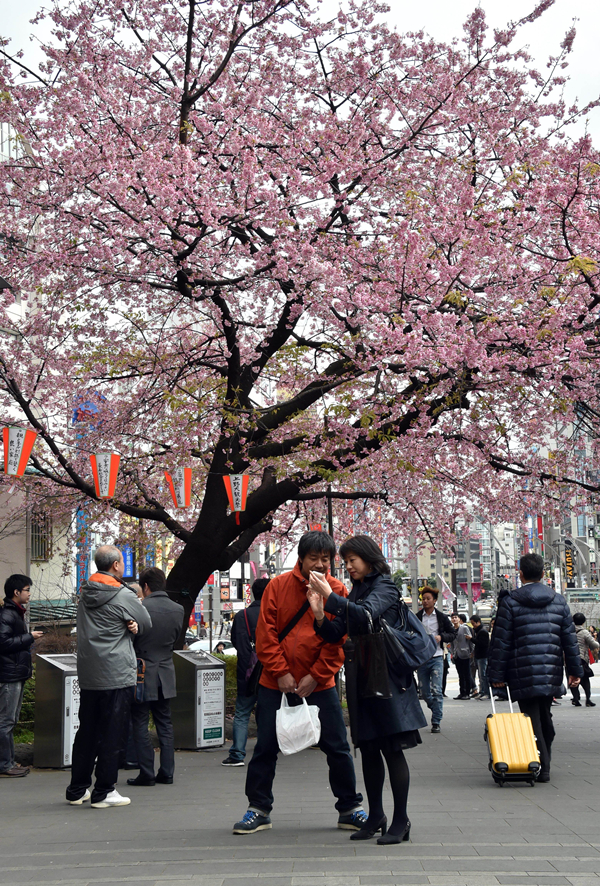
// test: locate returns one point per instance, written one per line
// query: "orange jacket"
(302, 651)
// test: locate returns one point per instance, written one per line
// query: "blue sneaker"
(352, 821)
(252, 822)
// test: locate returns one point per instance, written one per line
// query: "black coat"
(372, 717)
(15, 644)
(242, 640)
(532, 633)
(156, 645)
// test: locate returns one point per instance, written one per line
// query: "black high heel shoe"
(366, 831)
(388, 839)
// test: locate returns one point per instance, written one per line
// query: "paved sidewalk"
(466, 830)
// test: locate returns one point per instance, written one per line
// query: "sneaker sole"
(232, 765)
(103, 805)
(261, 827)
(79, 802)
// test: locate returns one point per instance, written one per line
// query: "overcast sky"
(443, 19)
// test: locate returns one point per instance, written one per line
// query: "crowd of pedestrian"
(294, 638)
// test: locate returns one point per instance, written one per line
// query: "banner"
(180, 486)
(105, 467)
(18, 444)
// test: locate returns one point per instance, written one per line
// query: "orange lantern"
(18, 444)
(237, 492)
(180, 485)
(105, 467)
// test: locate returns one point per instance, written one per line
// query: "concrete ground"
(466, 830)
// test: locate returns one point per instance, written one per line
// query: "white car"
(204, 646)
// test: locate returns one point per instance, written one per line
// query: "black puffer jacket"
(532, 632)
(15, 644)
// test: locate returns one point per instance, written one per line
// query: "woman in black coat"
(382, 727)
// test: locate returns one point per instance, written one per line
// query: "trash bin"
(56, 710)
(198, 711)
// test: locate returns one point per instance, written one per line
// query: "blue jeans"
(334, 743)
(244, 705)
(484, 685)
(11, 698)
(430, 681)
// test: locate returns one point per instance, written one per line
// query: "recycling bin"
(198, 711)
(56, 710)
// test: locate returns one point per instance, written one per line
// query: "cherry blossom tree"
(315, 251)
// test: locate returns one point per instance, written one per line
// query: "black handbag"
(408, 645)
(373, 679)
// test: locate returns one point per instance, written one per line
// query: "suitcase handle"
(509, 699)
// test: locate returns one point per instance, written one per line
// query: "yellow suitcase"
(513, 750)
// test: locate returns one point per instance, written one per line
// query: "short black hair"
(154, 578)
(462, 617)
(258, 587)
(433, 591)
(532, 566)
(14, 583)
(368, 550)
(476, 618)
(316, 542)
(579, 618)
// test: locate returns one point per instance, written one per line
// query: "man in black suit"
(155, 647)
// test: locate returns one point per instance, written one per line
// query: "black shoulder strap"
(294, 621)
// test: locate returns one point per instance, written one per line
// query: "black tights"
(374, 776)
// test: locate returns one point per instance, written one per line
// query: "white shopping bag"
(297, 727)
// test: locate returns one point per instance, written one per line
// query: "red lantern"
(180, 484)
(237, 492)
(105, 467)
(18, 444)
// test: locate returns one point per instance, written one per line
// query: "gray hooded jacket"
(105, 653)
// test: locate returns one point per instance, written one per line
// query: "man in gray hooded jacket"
(108, 615)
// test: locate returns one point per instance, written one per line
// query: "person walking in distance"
(109, 614)
(431, 673)
(298, 662)
(15, 668)
(155, 647)
(534, 638)
(586, 645)
(461, 655)
(481, 645)
(243, 637)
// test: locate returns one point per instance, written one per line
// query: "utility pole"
(469, 572)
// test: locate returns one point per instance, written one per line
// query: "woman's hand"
(316, 604)
(319, 583)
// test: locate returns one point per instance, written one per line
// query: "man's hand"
(286, 683)
(37, 634)
(438, 638)
(132, 626)
(574, 681)
(306, 685)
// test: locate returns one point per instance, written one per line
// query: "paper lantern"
(180, 484)
(105, 467)
(237, 492)
(18, 444)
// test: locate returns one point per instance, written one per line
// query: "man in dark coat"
(533, 634)
(155, 647)
(15, 668)
(243, 637)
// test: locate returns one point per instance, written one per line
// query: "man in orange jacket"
(296, 660)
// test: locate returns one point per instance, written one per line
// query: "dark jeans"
(584, 683)
(161, 714)
(540, 711)
(11, 699)
(98, 741)
(334, 742)
(463, 667)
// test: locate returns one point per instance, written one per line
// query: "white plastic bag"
(297, 727)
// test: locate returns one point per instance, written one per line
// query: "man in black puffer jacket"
(533, 632)
(15, 667)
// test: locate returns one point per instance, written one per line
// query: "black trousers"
(334, 742)
(98, 741)
(463, 667)
(161, 714)
(539, 708)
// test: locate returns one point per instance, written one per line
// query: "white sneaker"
(81, 800)
(112, 799)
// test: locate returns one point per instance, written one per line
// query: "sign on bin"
(211, 693)
(71, 717)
